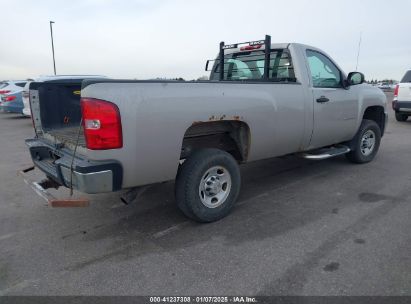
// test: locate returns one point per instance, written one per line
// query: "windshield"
(250, 66)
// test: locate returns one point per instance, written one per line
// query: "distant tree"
(202, 78)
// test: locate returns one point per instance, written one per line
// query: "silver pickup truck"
(263, 100)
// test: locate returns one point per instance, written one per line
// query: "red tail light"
(102, 124)
(9, 98)
(4, 91)
(396, 90)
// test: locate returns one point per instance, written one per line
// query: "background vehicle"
(26, 100)
(25, 93)
(11, 96)
(385, 86)
(263, 100)
(402, 98)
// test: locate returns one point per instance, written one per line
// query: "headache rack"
(251, 45)
(267, 47)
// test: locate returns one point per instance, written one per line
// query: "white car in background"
(402, 98)
(385, 86)
(9, 86)
(26, 100)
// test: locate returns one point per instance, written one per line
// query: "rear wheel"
(401, 117)
(207, 185)
(366, 142)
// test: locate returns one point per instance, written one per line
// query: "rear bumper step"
(41, 189)
(401, 106)
(84, 175)
(325, 153)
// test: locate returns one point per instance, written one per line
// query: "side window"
(20, 84)
(324, 73)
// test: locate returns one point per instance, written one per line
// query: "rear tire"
(365, 144)
(401, 117)
(207, 185)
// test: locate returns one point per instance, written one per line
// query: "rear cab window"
(249, 66)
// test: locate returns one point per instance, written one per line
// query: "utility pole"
(358, 54)
(52, 45)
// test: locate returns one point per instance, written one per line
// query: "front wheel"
(207, 185)
(401, 117)
(366, 142)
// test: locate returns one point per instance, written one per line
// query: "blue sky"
(174, 38)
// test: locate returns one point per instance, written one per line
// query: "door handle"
(322, 99)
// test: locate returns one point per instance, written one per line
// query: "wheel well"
(376, 113)
(230, 136)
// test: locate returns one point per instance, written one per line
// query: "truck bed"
(69, 135)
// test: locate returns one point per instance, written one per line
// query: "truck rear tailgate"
(56, 110)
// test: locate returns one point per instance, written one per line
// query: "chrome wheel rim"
(215, 186)
(368, 142)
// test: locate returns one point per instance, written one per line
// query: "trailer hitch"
(41, 189)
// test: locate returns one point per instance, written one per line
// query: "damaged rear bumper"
(84, 175)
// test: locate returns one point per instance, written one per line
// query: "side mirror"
(355, 78)
(208, 64)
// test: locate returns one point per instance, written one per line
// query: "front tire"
(207, 185)
(401, 117)
(365, 144)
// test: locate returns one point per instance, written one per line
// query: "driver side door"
(335, 107)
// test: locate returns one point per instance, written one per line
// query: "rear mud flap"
(41, 189)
